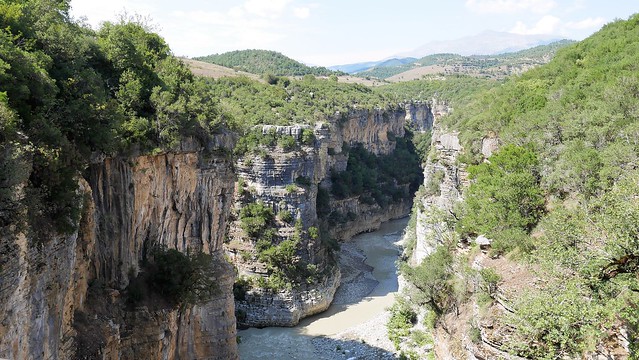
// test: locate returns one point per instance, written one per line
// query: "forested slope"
(264, 62)
(559, 198)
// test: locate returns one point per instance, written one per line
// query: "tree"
(505, 194)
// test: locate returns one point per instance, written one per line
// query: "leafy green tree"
(182, 278)
(505, 194)
(433, 278)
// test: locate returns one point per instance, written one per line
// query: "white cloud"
(266, 8)
(255, 24)
(97, 12)
(589, 23)
(546, 25)
(510, 6)
(302, 12)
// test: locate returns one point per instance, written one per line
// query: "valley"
(442, 207)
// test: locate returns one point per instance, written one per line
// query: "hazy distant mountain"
(356, 67)
(491, 66)
(359, 67)
(486, 43)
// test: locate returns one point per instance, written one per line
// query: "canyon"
(70, 295)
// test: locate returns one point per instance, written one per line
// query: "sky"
(333, 32)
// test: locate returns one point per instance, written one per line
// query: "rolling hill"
(492, 66)
(262, 62)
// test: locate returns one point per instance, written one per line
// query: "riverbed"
(354, 326)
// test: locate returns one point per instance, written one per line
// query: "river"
(359, 308)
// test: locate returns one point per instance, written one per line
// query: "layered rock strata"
(274, 181)
(66, 296)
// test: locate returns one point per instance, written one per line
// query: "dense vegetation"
(379, 179)
(67, 92)
(478, 65)
(455, 89)
(561, 193)
(247, 103)
(178, 278)
(263, 62)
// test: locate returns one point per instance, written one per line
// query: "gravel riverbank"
(355, 325)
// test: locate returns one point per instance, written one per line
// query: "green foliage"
(421, 142)
(285, 216)
(433, 280)
(308, 137)
(453, 89)
(269, 63)
(401, 321)
(577, 115)
(505, 194)
(434, 182)
(313, 232)
(378, 177)
(558, 321)
(180, 278)
(247, 103)
(256, 218)
(490, 279)
(69, 92)
(286, 142)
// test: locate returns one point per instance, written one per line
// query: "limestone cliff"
(65, 297)
(289, 181)
(443, 183)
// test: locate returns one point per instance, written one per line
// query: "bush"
(313, 232)
(286, 216)
(308, 137)
(255, 218)
(286, 142)
(434, 182)
(181, 278)
(505, 195)
(401, 321)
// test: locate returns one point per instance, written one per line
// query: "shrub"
(401, 320)
(308, 137)
(286, 216)
(181, 278)
(286, 142)
(255, 218)
(313, 232)
(434, 182)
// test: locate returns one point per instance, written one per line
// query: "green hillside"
(492, 66)
(264, 62)
(560, 196)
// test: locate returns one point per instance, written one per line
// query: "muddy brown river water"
(381, 251)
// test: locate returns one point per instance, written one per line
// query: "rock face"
(67, 296)
(444, 181)
(41, 285)
(48, 310)
(272, 179)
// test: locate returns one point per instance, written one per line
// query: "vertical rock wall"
(41, 285)
(270, 179)
(62, 297)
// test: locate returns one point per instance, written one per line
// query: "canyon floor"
(354, 326)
